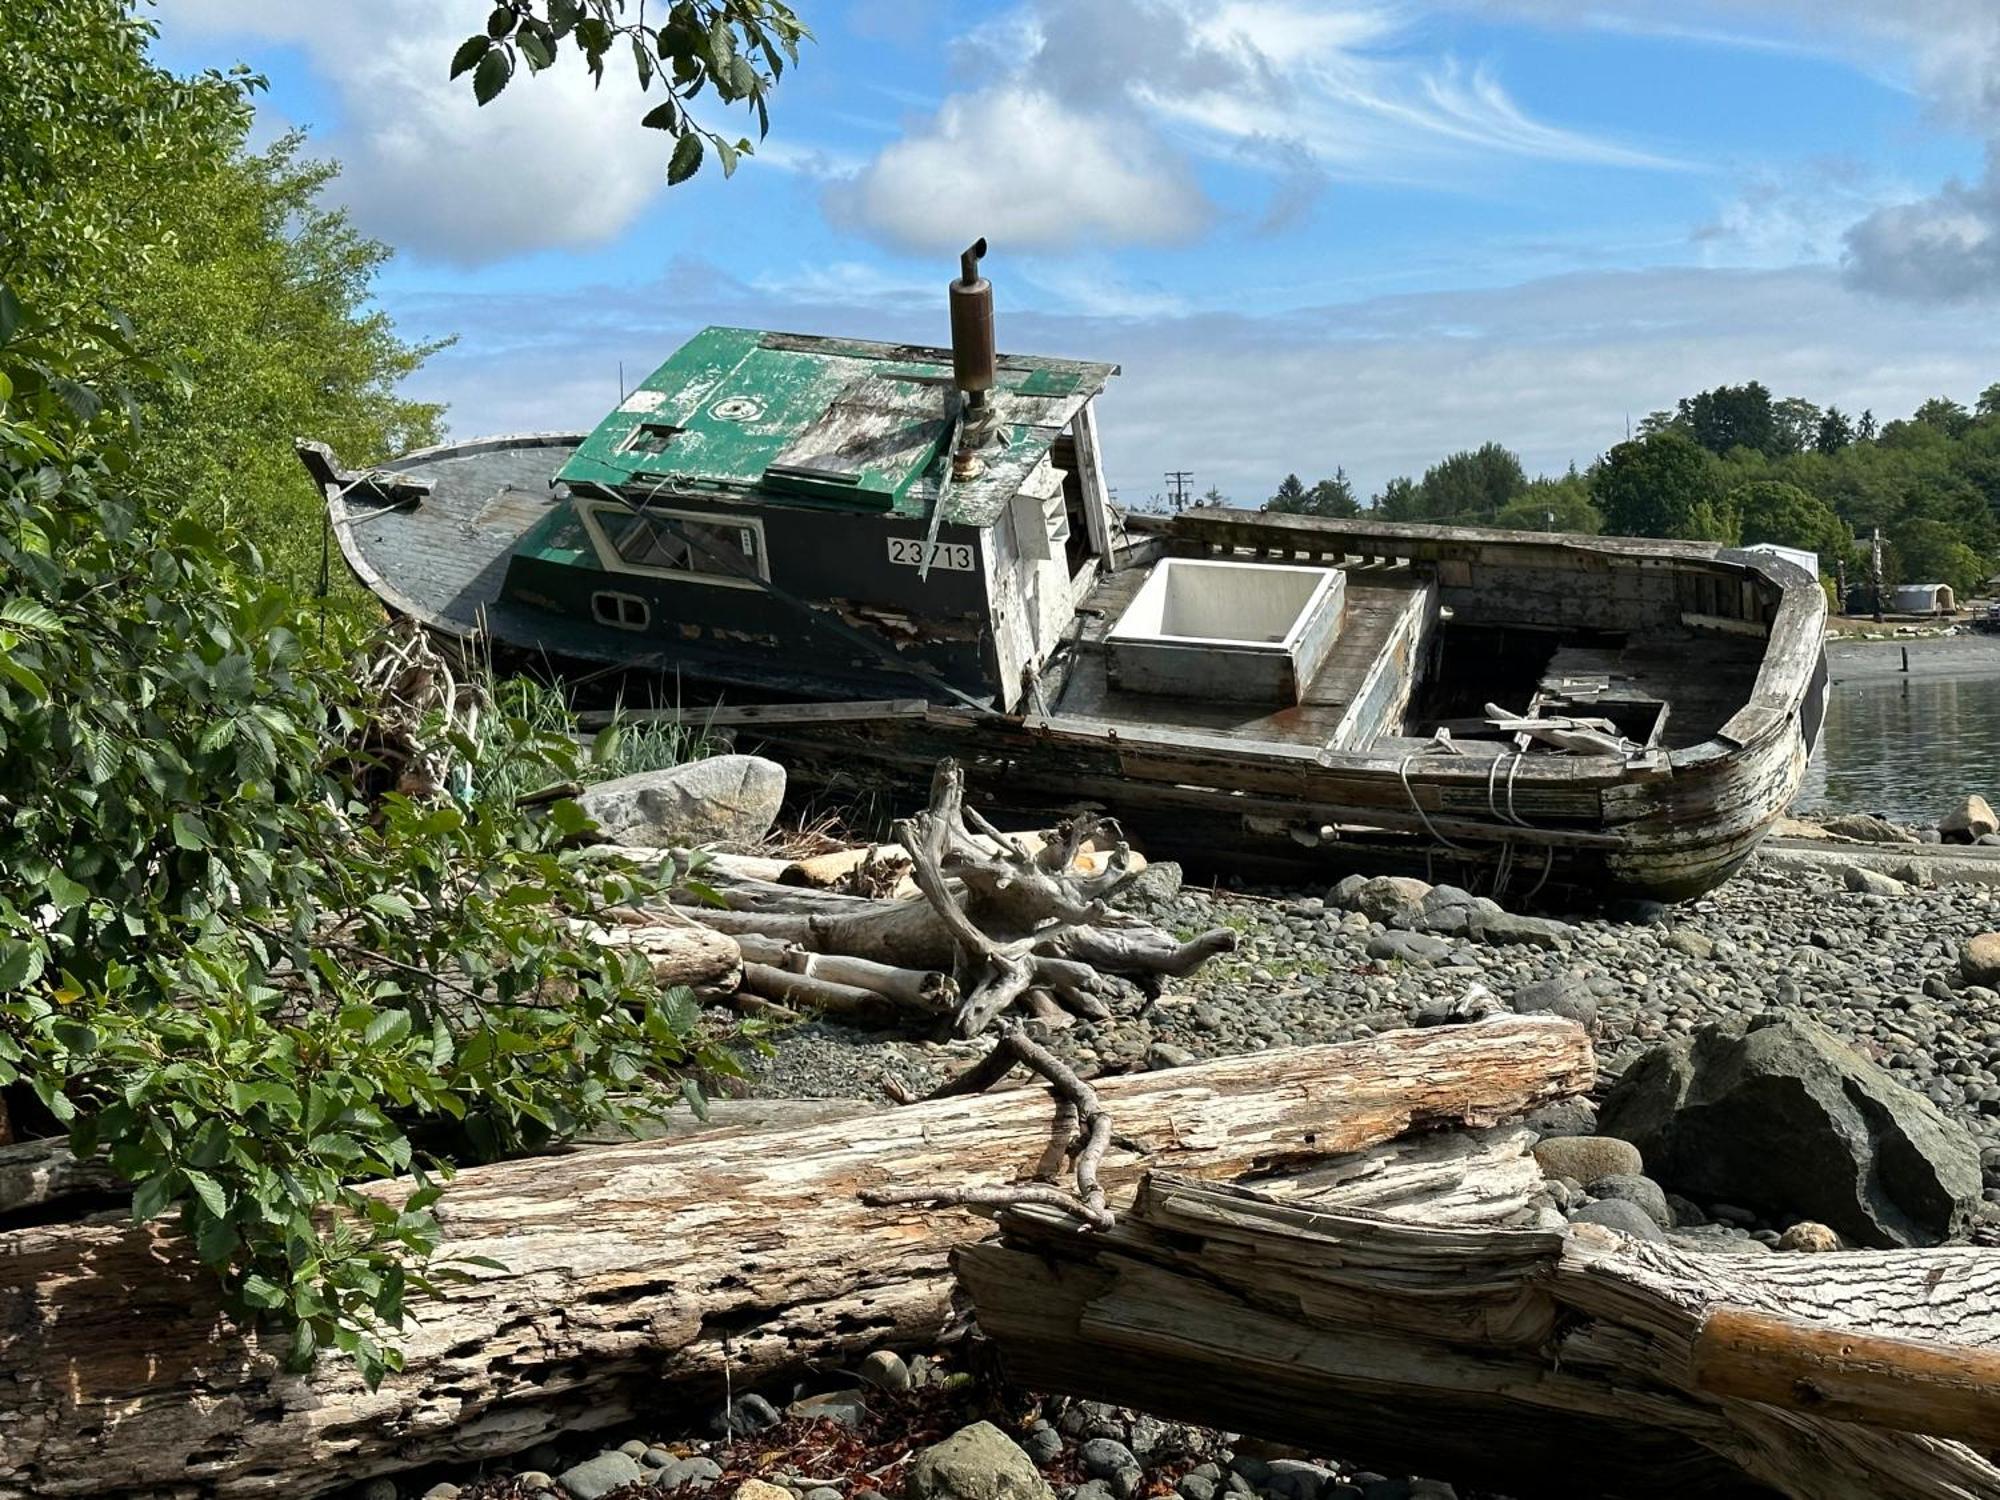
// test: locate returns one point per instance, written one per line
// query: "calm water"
(1906, 747)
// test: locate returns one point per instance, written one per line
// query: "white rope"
(1547, 870)
(1403, 774)
(1512, 772)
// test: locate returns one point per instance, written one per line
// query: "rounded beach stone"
(1640, 1191)
(1810, 1238)
(1588, 1157)
(1616, 1213)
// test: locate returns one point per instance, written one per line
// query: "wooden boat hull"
(1276, 794)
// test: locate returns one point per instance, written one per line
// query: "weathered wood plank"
(1498, 1356)
(721, 716)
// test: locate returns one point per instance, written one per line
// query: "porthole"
(620, 611)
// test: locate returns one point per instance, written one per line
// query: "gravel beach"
(1875, 961)
(1880, 971)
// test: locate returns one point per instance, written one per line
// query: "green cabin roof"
(787, 419)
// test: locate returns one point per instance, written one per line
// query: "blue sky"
(1355, 234)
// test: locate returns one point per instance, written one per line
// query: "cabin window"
(650, 439)
(679, 544)
(620, 611)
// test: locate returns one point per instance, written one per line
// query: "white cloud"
(1942, 248)
(1800, 216)
(1021, 165)
(1084, 116)
(551, 163)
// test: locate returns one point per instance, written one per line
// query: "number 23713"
(909, 552)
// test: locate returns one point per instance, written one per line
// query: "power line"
(1180, 487)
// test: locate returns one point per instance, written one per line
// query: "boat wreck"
(872, 556)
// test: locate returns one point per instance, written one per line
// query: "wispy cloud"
(1098, 108)
(1801, 215)
(1942, 246)
(806, 159)
(1781, 40)
(1472, 107)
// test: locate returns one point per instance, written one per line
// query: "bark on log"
(1899, 1383)
(803, 992)
(681, 953)
(37, 1173)
(634, 1266)
(1494, 1356)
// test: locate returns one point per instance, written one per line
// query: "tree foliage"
(1467, 488)
(1659, 485)
(736, 49)
(1730, 417)
(233, 278)
(1330, 497)
(251, 987)
(1560, 504)
(1779, 512)
(1733, 464)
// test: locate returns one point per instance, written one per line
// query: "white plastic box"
(1240, 631)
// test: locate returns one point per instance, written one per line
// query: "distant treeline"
(1735, 465)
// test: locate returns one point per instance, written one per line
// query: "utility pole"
(1875, 573)
(1180, 485)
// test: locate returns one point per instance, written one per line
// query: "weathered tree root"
(1069, 941)
(1005, 924)
(1090, 1137)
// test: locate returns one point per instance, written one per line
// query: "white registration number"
(908, 552)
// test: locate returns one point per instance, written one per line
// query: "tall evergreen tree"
(1733, 416)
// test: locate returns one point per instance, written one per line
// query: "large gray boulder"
(1969, 822)
(979, 1462)
(1789, 1121)
(729, 799)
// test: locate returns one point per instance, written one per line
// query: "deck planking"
(1375, 601)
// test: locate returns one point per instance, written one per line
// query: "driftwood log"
(1417, 1310)
(1010, 923)
(641, 1270)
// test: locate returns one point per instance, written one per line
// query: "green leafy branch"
(736, 48)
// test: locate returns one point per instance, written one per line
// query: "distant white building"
(1797, 556)
(1923, 599)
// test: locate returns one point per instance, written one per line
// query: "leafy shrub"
(250, 990)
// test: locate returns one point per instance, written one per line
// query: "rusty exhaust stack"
(974, 363)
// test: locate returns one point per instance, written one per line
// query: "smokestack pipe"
(974, 362)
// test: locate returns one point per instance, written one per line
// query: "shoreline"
(1849, 660)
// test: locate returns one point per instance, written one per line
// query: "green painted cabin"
(756, 479)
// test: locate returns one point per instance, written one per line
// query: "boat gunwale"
(1782, 679)
(343, 516)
